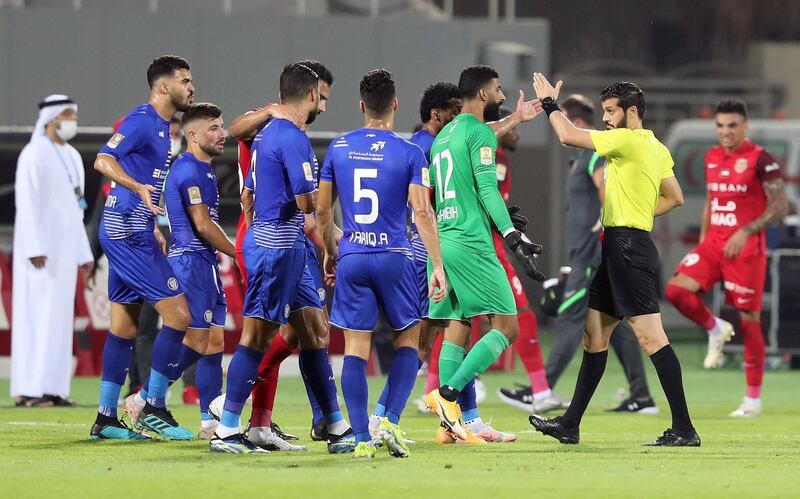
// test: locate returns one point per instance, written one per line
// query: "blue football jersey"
(372, 170)
(141, 147)
(281, 168)
(190, 181)
(424, 140)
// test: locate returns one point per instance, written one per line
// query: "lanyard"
(75, 183)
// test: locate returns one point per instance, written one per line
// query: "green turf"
(46, 452)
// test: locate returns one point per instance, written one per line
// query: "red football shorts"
(742, 277)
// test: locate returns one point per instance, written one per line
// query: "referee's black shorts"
(625, 284)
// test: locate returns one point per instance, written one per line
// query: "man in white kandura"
(50, 243)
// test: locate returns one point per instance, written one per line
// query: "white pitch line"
(40, 423)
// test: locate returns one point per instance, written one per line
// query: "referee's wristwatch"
(549, 105)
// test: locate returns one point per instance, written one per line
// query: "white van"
(688, 141)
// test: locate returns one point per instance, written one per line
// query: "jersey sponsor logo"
(741, 165)
(743, 301)
(307, 171)
(772, 167)
(725, 173)
(486, 155)
(690, 259)
(426, 177)
(160, 174)
(377, 146)
(727, 207)
(736, 288)
(161, 134)
(194, 195)
(724, 219)
(115, 140)
(207, 315)
(711, 166)
(723, 187)
(172, 284)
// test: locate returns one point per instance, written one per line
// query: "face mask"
(67, 129)
(175, 147)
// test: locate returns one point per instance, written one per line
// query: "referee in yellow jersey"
(639, 185)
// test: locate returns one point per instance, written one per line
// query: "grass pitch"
(47, 453)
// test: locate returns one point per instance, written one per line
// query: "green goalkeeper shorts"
(477, 285)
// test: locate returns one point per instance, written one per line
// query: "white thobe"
(49, 222)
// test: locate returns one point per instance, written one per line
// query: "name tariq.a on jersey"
(370, 238)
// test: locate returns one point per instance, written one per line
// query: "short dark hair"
(578, 106)
(296, 80)
(628, 94)
(475, 78)
(201, 111)
(732, 106)
(377, 91)
(165, 65)
(437, 96)
(323, 72)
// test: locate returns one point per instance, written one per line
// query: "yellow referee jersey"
(636, 162)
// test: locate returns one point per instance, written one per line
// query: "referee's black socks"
(592, 368)
(669, 374)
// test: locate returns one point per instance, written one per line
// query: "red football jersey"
(736, 192)
(503, 174)
(244, 168)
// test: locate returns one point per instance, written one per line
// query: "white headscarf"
(49, 109)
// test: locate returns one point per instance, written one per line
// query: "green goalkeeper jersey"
(464, 176)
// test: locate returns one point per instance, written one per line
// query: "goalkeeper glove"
(519, 220)
(525, 252)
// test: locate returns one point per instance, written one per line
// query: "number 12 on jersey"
(444, 160)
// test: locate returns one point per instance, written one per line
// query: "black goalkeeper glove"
(519, 220)
(525, 252)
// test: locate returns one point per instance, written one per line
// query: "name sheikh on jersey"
(111, 201)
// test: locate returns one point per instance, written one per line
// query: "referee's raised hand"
(544, 89)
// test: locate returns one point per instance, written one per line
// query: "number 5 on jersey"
(444, 160)
(360, 193)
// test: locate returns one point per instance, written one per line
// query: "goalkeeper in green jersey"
(463, 175)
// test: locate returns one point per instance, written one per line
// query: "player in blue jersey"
(263, 430)
(136, 159)
(376, 173)
(280, 288)
(440, 103)
(192, 201)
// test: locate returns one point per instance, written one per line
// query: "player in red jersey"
(745, 196)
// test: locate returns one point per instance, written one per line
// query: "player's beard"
(182, 104)
(211, 150)
(492, 109)
(312, 115)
